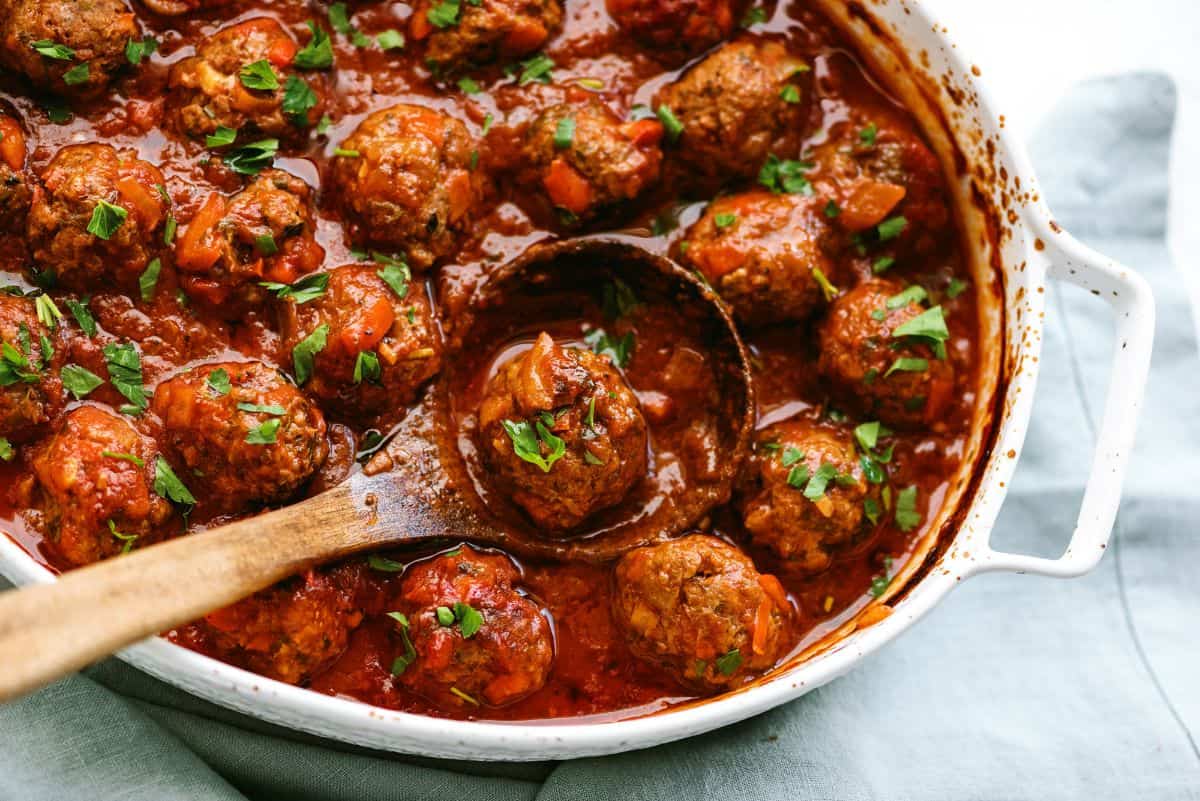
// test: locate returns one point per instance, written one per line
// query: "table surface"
(1031, 51)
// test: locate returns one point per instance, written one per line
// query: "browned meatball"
(474, 639)
(804, 494)
(483, 31)
(879, 172)
(735, 110)
(94, 487)
(883, 353)
(381, 345)
(586, 158)
(15, 190)
(70, 47)
(208, 91)
(675, 30)
(263, 233)
(95, 216)
(31, 393)
(698, 608)
(242, 432)
(406, 182)
(766, 254)
(293, 630)
(562, 434)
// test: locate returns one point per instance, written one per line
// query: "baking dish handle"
(1133, 310)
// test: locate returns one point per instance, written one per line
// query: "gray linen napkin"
(1017, 687)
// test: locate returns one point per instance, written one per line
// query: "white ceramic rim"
(1034, 242)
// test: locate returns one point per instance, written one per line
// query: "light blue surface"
(1017, 687)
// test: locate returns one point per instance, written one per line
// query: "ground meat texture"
(897, 379)
(265, 232)
(585, 158)
(95, 487)
(292, 630)
(257, 443)
(117, 190)
(31, 393)
(472, 632)
(206, 91)
(94, 33)
(782, 509)
(766, 254)
(675, 30)
(735, 111)
(389, 341)
(698, 608)
(171, 8)
(881, 170)
(485, 31)
(551, 394)
(15, 189)
(405, 182)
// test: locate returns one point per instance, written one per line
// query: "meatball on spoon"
(50, 630)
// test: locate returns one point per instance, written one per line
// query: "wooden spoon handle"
(50, 630)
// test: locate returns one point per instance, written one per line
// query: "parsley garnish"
(298, 99)
(527, 441)
(384, 565)
(891, 228)
(125, 374)
(79, 381)
(538, 69)
(124, 457)
(790, 93)
(167, 484)
(82, 315)
(907, 516)
(729, 662)
(221, 137)
(724, 220)
(391, 39)
(47, 313)
(138, 49)
(617, 299)
(785, 176)
(106, 219)
(310, 287)
(218, 381)
(564, 133)
(306, 350)
(148, 280)
(6, 450)
(395, 274)
(671, 123)
(366, 368)
(618, 349)
(259, 76)
(955, 288)
(907, 365)
(128, 539)
(48, 48)
(914, 294)
(318, 53)
(253, 158)
(879, 584)
(401, 663)
(867, 135)
(77, 74)
(265, 434)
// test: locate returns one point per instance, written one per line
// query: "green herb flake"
(318, 53)
(124, 457)
(384, 565)
(907, 516)
(867, 135)
(755, 15)
(729, 662)
(815, 489)
(47, 312)
(956, 288)
(785, 176)
(396, 275)
(346, 153)
(617, 299)
(306, 350)
(564, 133)
(83, 315)
(790, 93)
(401, 663)
(169, 229)
(138, 49)
(167, 484)
(253, 158)
(7, 452)
(298, 99)
(488, 121)
(617, 349)
(539, 68)
(222, 137)
(913, 294)
(527, 441)
(48, 48)
(391, 39)
(444, 616)
(798, 476)
(309, 287)
(872, 511)
(670, 123)
(259, 76)
(218, 381)
(77, 74)
(907, 365)
(468, 85)
(106, 219)
(366, 368)
(882, 265)
(148, 280)
(723, 221)
(259, 408)
(128, 539)
(470, 620)
(265, 434)
(125, 374)
(929, 325)
(790, 456)
(79, 381)
(891, 228)
(444, 14)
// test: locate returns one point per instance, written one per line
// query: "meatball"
(382, 344)
(293, 630)
(735, 109)
(242, 432)
(31, 393)
(562, 434)
(265, 232)
(876, 172)
(15, 190)
(484, 31)
(766, 254)
(95, 487)
(675, 30)
(586, 158)
(697, 607)
(476, 639)
(208, 91)
(883, 354)
(80, 44)
(804, 494)
(405, 181)
(95, 215)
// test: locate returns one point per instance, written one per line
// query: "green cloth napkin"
(1017, 687)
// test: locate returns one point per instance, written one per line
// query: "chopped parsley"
(469, 85)
(148, 280)
(564, 133)
(754, 15)
(468, 618)
(309, 287)
(539, 68)
(125, 374)
(265, 434)
(222, 137)
(814, 490)
(138, 49)
(77, 74)
(879, 584)
(832, 209)
(167, 484)
(790, 93)
(318, 53)
(395, 274)
(891, 228)
(79, 381)
(867, 135)
(346, 153)
(956, 288)
(47, 313)
(929, 325)
(785, 176)
(670, 123)
(617, 349)
(218, 381)
(913, 294)
(907, 365)
(265, 244)
(391, 39)
(106, 219)
(306, 350)
(907, 516)
(128, 539)
(48, 48)
(527, 442)
(728, 663)
(259, 76)
(7, 452)
(298, 99)
(124, 457)
(882, 264)
(444, 14)
(253, 158)
(259, 408)
(790, 456)
(617, 299)
(872, 511)
(724, 220)
(366, 368)
(82, 315)
(384, 565)
(401, 663)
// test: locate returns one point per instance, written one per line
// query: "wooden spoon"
(50, 630)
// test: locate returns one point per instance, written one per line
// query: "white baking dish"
(1015, 247)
